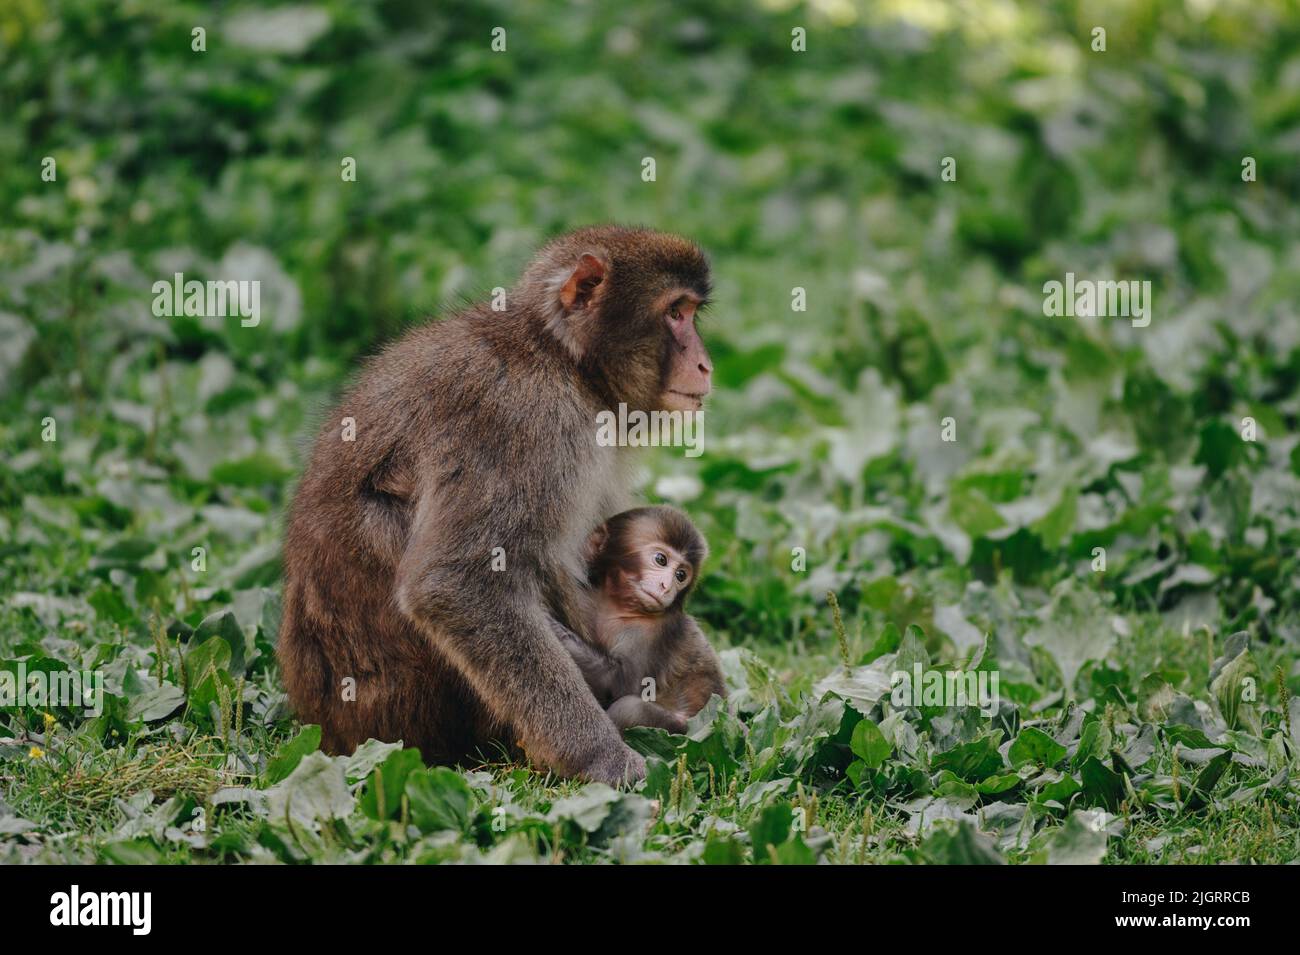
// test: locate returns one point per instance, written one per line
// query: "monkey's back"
(446, 384)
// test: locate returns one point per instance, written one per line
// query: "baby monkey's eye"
(660, 559)
(680, 575)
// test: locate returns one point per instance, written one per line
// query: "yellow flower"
(49, 720)
(36, 753)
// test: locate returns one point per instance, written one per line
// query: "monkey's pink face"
(662, 575)
(690, 373)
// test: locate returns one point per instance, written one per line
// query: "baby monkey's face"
(655, 578)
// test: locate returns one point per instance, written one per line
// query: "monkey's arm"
(631, 710)
(493, 627)
(599, 669)
(694, 673)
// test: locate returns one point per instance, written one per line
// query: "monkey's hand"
(620, 766)
(631, 710)
(568, 639)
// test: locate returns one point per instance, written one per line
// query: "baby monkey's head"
(646, 559)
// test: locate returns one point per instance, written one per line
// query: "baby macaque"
(647, 663)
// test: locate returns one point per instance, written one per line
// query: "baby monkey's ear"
(596, 542)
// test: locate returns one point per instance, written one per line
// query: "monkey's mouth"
(696, 399)
(652, 600)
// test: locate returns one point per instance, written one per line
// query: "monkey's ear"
(596, 542)
(575, 316)
(579, 289)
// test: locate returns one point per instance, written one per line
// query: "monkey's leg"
(631, 710)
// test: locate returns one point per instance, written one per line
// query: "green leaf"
(1140, 748)
(588, 808)
(1001, 783)
(291, 753)
(109, 606)
(1235, 689)
(1206, 780)
(1074, 628)
(1095, 740)
(1032, 745)
(1101, 784)
(113, 725)
(972, 512)
(382, 797)
(862, 686)
(126, 553)
(911, 651)
(715, 737)
(795, 852)
(1061, 790)
(156, 703)
(887, 641)
(772, 828)
(652, 741)
(817, 735)
(224, 625)
(975, 760)
(440, 798)
(959, 843)
(722, 850)
(367, 756)
(1077, 842)
(869, 744)
(133, 852)
(205, 664)
(315, 790)
(1054, 527)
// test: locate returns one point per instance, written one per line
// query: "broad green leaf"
(1074, 628)
(1203, 789)
(367, 756)
(722, 850)
(973, 761)
(291, 753)
(1077, 843)
(440, 798)
(863, 686)
(315, 790)
(960, 843)
(587, 809)
(771, 829)
(1032, 745)
(156, 703)
(1235, 689)
(227, 627)
(1102, 785)
(382, 796)
(869, 744)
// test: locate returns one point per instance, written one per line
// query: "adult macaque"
(644, 563)
(426, 559)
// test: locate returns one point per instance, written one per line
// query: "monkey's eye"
(660, 559)
(680, 575)
(675, 314)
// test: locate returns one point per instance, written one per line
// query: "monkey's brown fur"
(630, 644)
(475, 433)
